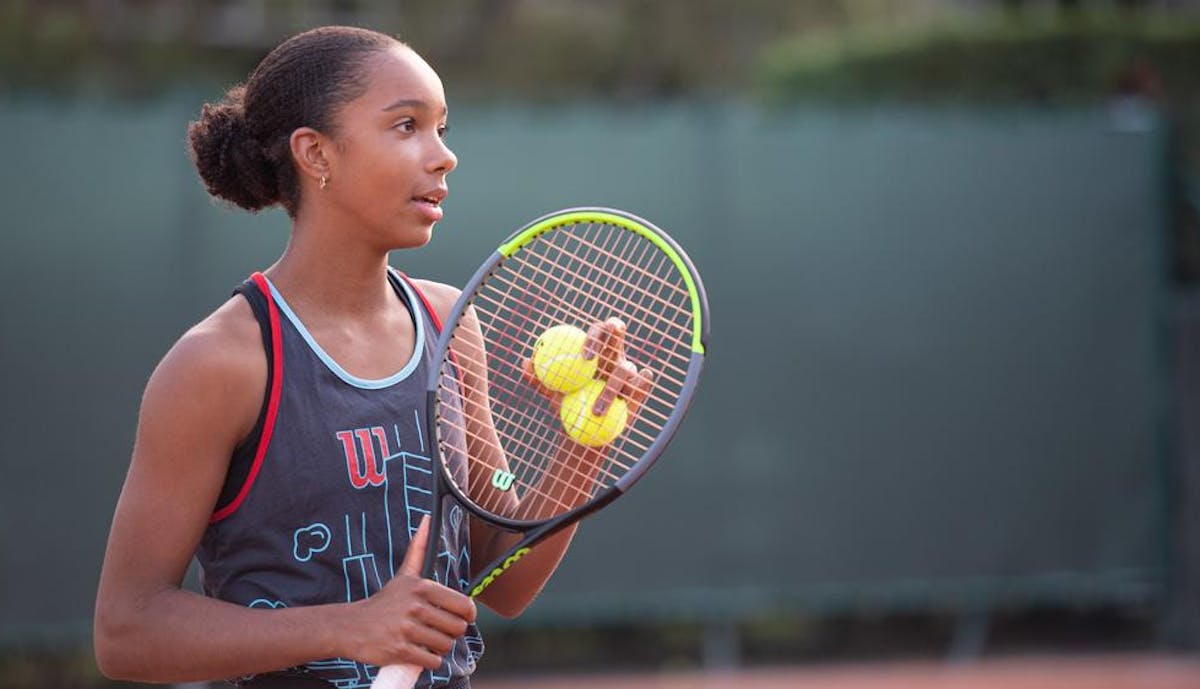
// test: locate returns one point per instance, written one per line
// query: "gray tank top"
(321, 501)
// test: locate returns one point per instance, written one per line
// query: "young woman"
(280, 439)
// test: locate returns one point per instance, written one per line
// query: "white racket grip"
(396, 677)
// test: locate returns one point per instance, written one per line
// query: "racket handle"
(396, 677)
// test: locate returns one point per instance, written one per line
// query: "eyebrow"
(410, 103)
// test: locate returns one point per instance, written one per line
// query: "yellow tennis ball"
(558, 359)
(587, 428)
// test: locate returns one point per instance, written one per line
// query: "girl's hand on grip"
(411, 620)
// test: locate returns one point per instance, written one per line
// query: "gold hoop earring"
(324, 181)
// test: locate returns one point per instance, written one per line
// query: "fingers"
(435, 619)
(640, 389)
(414, 557)
(449, 600)
(627, 382)
(407, 655)
(622, 376)
(606, 339)
(444, 623)
(435, 630)
(530, 376)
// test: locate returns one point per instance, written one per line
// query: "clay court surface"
(1103, 672)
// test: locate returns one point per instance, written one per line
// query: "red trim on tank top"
(437, 322)
(264, 440)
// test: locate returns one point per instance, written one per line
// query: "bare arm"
(199, 403)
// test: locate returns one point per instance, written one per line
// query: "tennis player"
(280, 440)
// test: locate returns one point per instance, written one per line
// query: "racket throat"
(497, 569)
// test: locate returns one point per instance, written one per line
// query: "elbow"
(508, 607)
(108, 664)
(112, 642)
(507, 612)
(512, 595)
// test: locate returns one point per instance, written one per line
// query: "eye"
(442, 130)
(407, 125)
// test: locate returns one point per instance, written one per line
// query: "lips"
(433, 197)
(429, 202)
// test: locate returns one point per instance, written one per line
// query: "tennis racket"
(503, 450)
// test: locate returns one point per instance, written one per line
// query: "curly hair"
(241, 145)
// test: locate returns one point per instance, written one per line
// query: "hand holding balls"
(560, 365)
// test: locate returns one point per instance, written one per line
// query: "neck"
(322, 269)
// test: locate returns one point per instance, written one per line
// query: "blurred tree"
(519, 49)
(527, 48)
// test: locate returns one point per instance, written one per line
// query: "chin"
(413, 238)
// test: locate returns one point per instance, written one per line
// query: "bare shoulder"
(441, 296)
(228, 341)
(218, 367)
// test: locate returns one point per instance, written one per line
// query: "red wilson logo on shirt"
(364, 462)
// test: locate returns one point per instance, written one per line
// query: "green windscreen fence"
(936, 377)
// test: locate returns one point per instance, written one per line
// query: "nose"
(442, 159)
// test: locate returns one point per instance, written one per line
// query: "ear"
(308, 150)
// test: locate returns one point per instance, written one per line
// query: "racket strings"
(602, 274)
(636, 263)
(601, 268)
(577, 275)
(504, 378)
(645, 349)
(635, 343)
(641, 349)
(537, 280)
(653, 345)
(652, 304)
(656, 323)
(639, 299)
(608, 273)
(531, 418)
(491, 500)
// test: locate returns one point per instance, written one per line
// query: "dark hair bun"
(230, 160)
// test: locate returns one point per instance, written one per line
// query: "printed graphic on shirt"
(362, 577)
(310, 540)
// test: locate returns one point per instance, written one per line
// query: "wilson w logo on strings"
(502, 479)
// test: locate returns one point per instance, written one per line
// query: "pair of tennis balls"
(559, 364)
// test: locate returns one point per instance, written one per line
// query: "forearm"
(179, 636)
(569, 482)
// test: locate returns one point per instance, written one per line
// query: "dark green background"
(937, 370)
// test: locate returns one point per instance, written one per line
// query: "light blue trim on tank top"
(414, 309)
